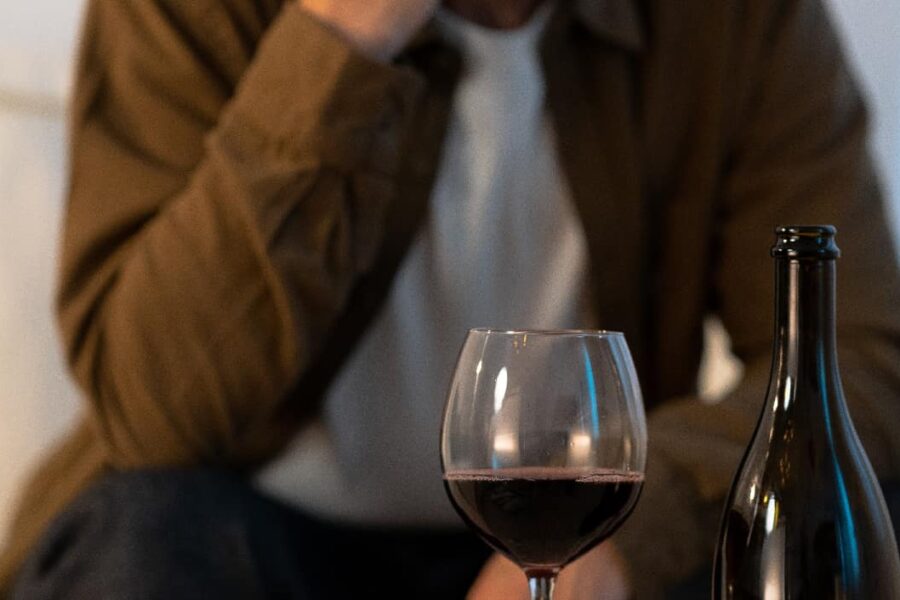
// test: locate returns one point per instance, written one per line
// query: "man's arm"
(797, 155)
(225, 194)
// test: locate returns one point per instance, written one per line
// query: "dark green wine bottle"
(806, 519)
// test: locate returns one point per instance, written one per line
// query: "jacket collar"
(615, 21)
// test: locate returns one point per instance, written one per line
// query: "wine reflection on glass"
(544, 443)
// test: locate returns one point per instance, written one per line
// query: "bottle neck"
(805, 339)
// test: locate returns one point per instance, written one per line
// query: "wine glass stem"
(541, 587)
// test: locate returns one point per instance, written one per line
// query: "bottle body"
(805, 517)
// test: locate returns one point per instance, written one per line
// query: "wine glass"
(543, 444)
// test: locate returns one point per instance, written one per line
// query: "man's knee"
(179, 533)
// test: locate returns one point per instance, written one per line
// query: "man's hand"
(499, 578)
(380, 28)
(601, 574)
(598, 575)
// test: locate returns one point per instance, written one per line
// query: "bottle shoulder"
(810, 495)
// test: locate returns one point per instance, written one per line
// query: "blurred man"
(284, 214)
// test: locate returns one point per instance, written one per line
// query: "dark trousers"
(207, 534)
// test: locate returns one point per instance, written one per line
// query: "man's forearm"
(187, 333)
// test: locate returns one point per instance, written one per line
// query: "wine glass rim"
(597, 333)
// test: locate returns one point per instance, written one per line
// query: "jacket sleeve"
(229, 178)
(797, 156)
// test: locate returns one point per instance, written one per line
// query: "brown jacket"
(244, 184)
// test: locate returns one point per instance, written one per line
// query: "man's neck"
(496, 14)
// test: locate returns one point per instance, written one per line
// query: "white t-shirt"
(502, 247)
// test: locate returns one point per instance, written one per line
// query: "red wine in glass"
(544, 517)
(544, 444)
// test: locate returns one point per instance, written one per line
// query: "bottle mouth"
(805, 241)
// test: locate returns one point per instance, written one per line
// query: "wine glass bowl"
(543, 443)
